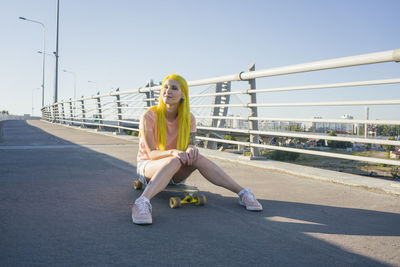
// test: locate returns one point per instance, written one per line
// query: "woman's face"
(172, 92)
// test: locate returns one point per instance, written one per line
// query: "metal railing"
(122, 110)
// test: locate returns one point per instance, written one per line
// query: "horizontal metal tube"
(325, 86)
(223, 129)
(340, 121)
(372, 58)
(329, 154)
(220, 79)
(128, 101)
(306, 151)
(343, 121)
(327, 137)
(219, 105)
(223, 141)
(215, 94)
(337, 103)
(222, 117)
(132, 107)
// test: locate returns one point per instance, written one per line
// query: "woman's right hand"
(181, 155)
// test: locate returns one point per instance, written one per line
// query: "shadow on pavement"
(72, 206)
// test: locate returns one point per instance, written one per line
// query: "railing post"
(119, 111)
(51, 113)
(54, 113)
(100, 116)
(253, 125)
(150, 94)
(48, 113)
(71, 116)
(366, 125)
(83, 120)
(57, 113)
(62, 112)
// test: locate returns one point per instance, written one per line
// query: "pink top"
(149, 119)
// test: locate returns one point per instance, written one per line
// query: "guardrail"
(122, 110)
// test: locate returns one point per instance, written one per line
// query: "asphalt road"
(66, 196)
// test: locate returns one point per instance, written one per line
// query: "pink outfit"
(149, 119)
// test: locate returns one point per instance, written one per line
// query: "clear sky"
(125, 43)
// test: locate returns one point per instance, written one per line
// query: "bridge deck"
(66, 196)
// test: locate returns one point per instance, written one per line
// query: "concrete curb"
(378, 185)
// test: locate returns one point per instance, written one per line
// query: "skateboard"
(190, 192)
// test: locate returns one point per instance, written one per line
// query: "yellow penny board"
(175, 202)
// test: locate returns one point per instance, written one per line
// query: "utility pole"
(56, 54)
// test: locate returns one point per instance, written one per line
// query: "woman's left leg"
(216, 175)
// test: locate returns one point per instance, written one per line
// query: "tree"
(293, 128)
(388, 130)
(361, 130)
(389, 148)
(337, 144)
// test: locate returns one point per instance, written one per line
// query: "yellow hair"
(183, 116)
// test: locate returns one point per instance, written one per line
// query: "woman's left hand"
(193, 154)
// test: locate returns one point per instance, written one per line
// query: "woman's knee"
(199, 161)
(173, 162)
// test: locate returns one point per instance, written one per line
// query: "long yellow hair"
(183, 115)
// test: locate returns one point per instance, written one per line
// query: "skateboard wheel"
(174, 202)
(201, 200)
(137, 185)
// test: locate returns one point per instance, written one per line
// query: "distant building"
(347, 127)
(323, 127)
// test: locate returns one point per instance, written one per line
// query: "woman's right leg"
(159, 173)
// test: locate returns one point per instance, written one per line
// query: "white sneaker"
(141, 211)
(247, 199)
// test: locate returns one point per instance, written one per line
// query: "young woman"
(167, 153)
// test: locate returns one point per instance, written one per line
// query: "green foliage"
(361, 130)
(389, 148)
(5, 112)
(388, 130)
(293, 128)
(229, 137)
(283, 155)
(132, 133)
(337, 144)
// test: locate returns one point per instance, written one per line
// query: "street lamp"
(47, 54)
(73, 73)
(44, 51)
(95, 84)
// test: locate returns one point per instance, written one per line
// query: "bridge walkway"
(66, 196)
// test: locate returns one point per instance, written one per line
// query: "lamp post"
(56, 54)
(44, 51)
(73, 73)
(95, 84)
(46, 54)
